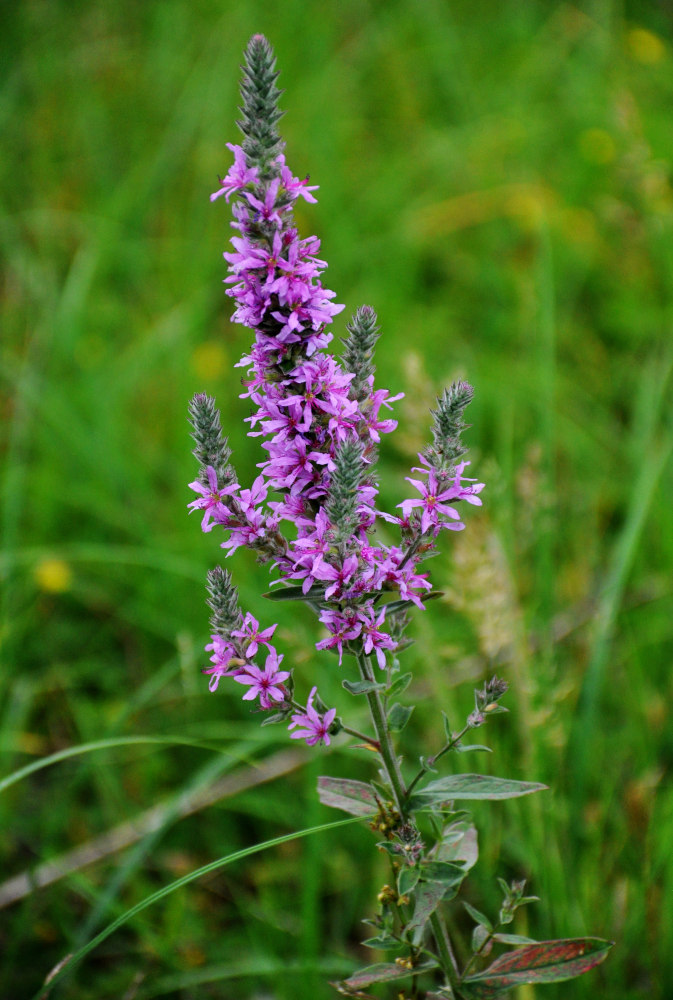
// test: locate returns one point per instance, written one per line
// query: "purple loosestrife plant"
(311, 514)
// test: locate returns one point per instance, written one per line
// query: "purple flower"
(375, 426)
(315, 727)
(239, 175)
(224, 660)
(249, 632)
(342, 626)
(267, 210)
(211, 500)
(248, 533)
(468, 493)
(250, 499)
(432, 503)
(292, 184)
(266, 683)
(459, 492)
(340, 577)
(390, 571)
(313, 547)
(374, 639)
(292, 464)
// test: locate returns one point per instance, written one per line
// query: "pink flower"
(223, 656)
(374, 639)
(267, 209)
(293, 185)
(239, 174)
(342, 627)
(249, 632)
(266, 683)
(315, 727)
(210, 501)
(432, 503)
(340, 577)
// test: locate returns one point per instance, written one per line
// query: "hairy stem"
(431, 761)
(394, 775)
(386, 748)
(449, 963)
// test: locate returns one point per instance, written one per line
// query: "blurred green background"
(496, 180)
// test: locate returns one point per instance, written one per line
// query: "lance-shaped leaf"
(383, 972)
(362, 687)
(427, 897)
(544, 962)
(353, 797)
(399, 685)
(459, 843)
(444, 872)
(471, 786)
(296, 594)
(383, 942)
(513, 939)
(407, 880)
(398, 716)
(403, 605)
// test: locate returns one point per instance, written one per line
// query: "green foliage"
(542, 962)
(502, 197)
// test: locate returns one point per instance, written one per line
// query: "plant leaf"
(399, 685)
(67, 966)
(447, 727)
(389, 848)
(407, 880)
(427, 897)
(471, 786)
(513, 939)
(478, 916)
(384, 942)
(270, 720)
(460, 844)
(544, 962)
(383, 972)
(353, 797)
(398, 716)
(393, 606)
(296, 594)
(362, 687)
(479, 938)
(444, 872)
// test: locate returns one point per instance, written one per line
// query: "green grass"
(495, 180)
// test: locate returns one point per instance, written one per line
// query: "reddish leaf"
(544, 962)
(353, 797)
(383, 972)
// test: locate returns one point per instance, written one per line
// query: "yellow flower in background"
(597, 145)
(644, 46)
(210, 360)
(53, 575)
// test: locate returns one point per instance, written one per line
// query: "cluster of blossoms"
(312, 514)
(320, 423)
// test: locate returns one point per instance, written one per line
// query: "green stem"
(411, 551)
(394, 774)
(385, 743)
(431, 761)
(489, 937)
(449, 963)
(374, 744)
(361, 736)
